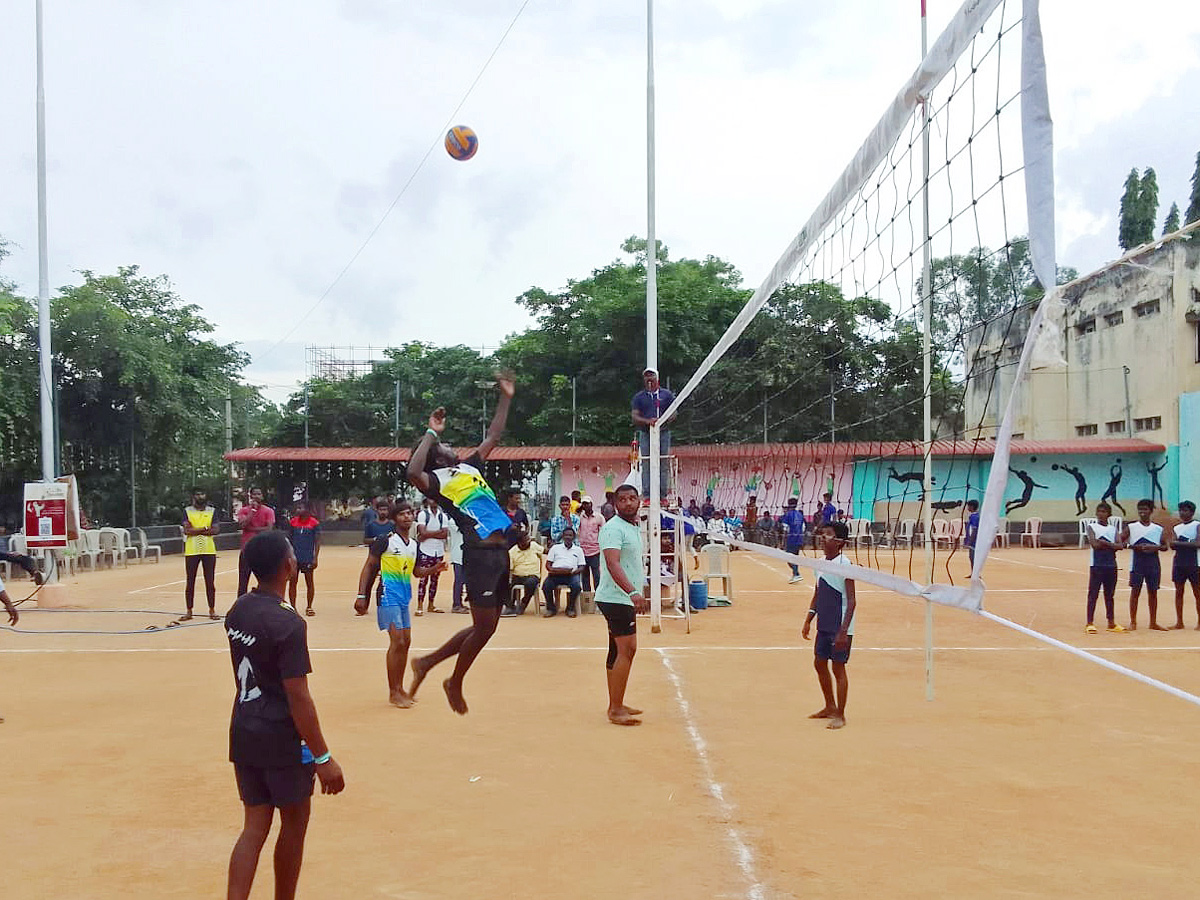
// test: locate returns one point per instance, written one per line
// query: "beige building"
(1131, 341)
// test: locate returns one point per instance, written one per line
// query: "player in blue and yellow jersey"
(393, 557)
(459, 488)
(200, 550)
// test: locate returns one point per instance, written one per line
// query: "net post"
(927, 368)
(654, 532)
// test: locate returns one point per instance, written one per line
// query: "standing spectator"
(564, 520)
(304, 530)
(707, 511)
(766, 529)
(525, 569)
(516, 515)
(454, 549)
(828, 510)
(576, 501)
(609, 508)
(379, 525)
(432, 532)
(793, 520)
(254, 518)
(589, 542)
(648, 405)
(564, 563)
(200, 550)
(750, 521)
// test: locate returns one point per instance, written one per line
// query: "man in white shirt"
(454, 546)
(564, 564)
(432, 531)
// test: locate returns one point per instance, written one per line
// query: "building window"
(1114, 318)
(1149, 308)
(1085, 327)
(1115, 427)
(1018, 435)
(1150, 423)
(1086, 430)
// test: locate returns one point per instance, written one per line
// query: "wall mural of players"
(1080, 486)
(1155, 484)
(1110, 493)
(1027, 492)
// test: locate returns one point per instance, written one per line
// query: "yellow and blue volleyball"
(461, 142)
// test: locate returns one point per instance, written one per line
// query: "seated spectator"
(707, 511)
(564, 565)
(693, 509)
(525, 569)
(766, 529)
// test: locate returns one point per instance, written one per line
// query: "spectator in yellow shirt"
(524, 569)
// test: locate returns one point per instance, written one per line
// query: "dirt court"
(1032, 774)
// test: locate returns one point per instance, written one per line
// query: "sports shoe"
(795, 579)
(1091, 629)
(1115, 629)
(507, 612)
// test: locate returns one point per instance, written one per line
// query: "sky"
(249, 150)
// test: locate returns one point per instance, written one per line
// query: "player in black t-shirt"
(460, 490)
(273, 730)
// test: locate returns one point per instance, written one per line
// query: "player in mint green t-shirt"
(619, 597)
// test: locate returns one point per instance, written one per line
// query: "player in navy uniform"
(461, 491)
(273, 731)
(1102, 573)
(1184, 569)
(1145, 539)
(833, 606)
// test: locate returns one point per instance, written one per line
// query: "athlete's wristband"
(811, 611)
(323, 758)
(633, 594)
(362, 597)
(431, 431)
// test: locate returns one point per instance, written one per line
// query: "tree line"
(1139, 208)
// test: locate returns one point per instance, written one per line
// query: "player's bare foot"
(1177, 625)
(186, 617)
(454, 696)
(1154, 626)
(401, 700)
(420, 669)
(623, 718)
(824, 714)
(629, 711)
(1133, 626)
(836, 721)
(212, 614)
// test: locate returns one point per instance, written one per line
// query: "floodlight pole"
(927, 370)
(654, 522)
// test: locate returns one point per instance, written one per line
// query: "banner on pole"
(46, 515)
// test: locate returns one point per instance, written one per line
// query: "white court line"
(1021, 562)
(600, 649)
(741, 849)
(172, 583)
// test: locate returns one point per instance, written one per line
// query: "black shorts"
(621, 618)
(823, 648)
(485, 570)
(285, 786)
(1185, 574)
(302, 568)
(1149, 579)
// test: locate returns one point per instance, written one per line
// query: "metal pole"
(764, 417)
(44, 347)
(306, 416)
(132, 482)
(927, 371)
(1128, 406)
(483, 422)
(397, 412)
(229, 449)
(572, 410)
(654, 523)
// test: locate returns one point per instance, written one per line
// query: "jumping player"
(1184, 569)
(833, 606)
(1145, 539)
(393, 557)
(1102, 538)
(274, 731)
(619, 597)
(461, 491)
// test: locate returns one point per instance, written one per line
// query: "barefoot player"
(393, 557)
(833, 607)
(460, 490)
(1145, 539)
(274, 730)
(619, 597)
(1184, 569)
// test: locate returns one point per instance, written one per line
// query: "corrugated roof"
(814, 451)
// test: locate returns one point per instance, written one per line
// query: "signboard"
(46, 515)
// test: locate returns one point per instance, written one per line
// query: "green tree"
(1147, 207)
(1130, 212)
(1171, 225)
(1193, 210)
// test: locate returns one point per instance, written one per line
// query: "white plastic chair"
(905, 534)
(716, 565)
(1084, 524)
(1003, 538)
(939, 532)
(1032, 532)
(128, 547)
(861, 533)
(109, 546)
(145, 548)
(88, 547)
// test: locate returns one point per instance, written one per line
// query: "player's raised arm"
(417, 476)
(507, 388)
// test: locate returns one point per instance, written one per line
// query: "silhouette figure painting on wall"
(1110, 495)
(1080, 486)
(1026, 494)
(946, 505)
(893, 475)
(1155, 485)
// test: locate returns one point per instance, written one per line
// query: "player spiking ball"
(460, 489)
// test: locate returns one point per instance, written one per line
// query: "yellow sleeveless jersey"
(199, 544)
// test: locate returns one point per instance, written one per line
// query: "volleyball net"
(958, 171)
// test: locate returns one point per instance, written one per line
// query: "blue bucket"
(698, 594)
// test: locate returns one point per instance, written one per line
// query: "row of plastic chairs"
(93, 547)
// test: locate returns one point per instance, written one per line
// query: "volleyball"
(461, 142)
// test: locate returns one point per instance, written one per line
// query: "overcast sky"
(246, 150)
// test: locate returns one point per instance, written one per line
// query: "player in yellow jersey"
(199, 549)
